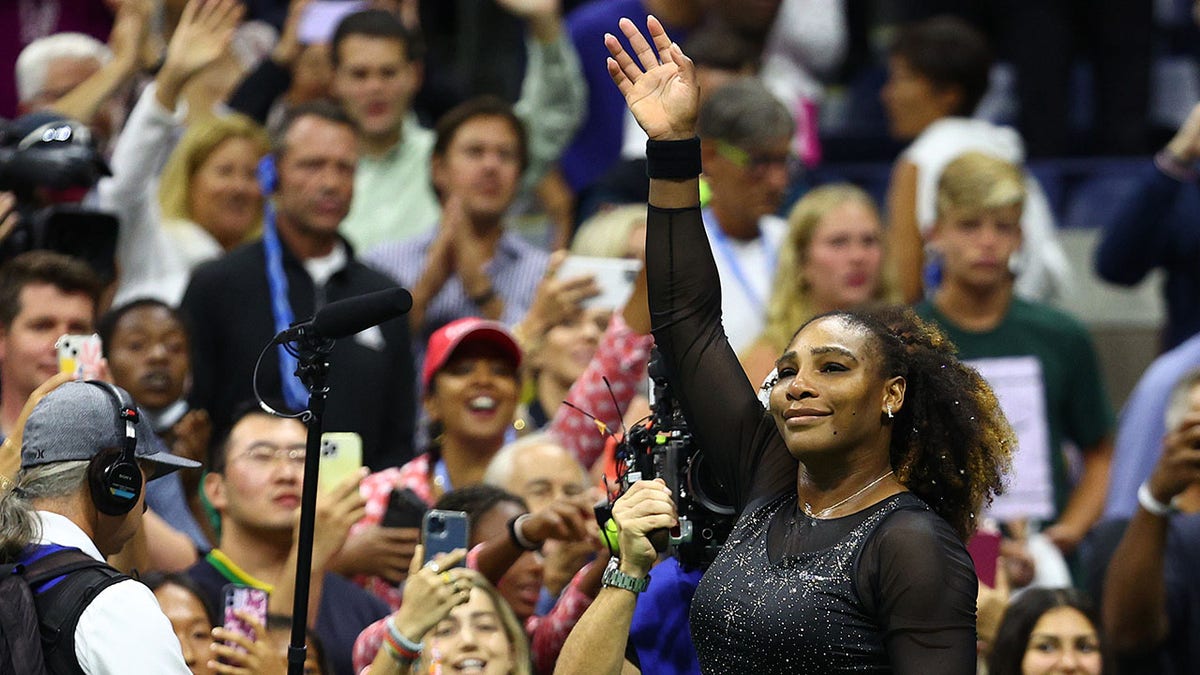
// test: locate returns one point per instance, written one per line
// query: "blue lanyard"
(722, 245)
(295, 394)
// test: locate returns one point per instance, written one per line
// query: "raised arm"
(721, 408)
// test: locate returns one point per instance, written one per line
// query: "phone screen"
(246, 599)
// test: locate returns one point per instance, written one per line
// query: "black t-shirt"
(887, 589)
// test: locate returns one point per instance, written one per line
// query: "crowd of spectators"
(187, 178)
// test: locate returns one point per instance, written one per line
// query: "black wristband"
(673, 160)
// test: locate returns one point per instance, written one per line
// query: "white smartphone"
(614, 276)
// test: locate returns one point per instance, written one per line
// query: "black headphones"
(114, 476)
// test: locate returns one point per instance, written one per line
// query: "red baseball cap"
(446, 339)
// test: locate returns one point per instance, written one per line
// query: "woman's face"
(472, 639)
(475, 394)
(569, 346)
(187, 617)
(830, 394)
(1062, 642)
(224, 196)
(844, 257)
(521, 585)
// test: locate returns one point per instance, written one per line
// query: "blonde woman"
(832, 258)
(209, 200)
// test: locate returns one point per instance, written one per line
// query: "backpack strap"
(64, 583)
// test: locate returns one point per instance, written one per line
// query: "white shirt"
(1044, 272)
(123, 630)
(747, 271)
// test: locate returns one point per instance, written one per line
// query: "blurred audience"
(254, 482)
(745, 145)
(1039, 360)
(1155, 228)
(237, 303)
(937, 74)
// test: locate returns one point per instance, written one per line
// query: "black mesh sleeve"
(916, 575)
(721, 407)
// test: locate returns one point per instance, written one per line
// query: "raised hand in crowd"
(385, 552)
(337, 509)
(568, 519)
(288, 48)
(1179, 467)
(127, 40)
(236, 654)
(554, 301)
(431, 592)
(202, 36)
(544, 16)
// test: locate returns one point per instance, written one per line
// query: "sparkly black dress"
(889, 589)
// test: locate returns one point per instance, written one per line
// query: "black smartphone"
(404, 509)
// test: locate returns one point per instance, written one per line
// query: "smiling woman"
(856, 487)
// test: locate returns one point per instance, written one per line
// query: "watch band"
(615, 578)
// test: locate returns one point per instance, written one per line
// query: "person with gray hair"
(86, 453)
(538, 469)
(50, 67)
(745, 145)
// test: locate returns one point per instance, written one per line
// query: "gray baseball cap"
(77, 420)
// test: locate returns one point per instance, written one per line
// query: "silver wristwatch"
(614, 577)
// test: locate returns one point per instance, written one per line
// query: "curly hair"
(951, 444)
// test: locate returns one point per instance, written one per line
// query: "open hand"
(663, 97)
(203, 35)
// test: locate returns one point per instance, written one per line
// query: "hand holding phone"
(252, 601)
(443, 532)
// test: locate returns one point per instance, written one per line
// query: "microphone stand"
(312, 354)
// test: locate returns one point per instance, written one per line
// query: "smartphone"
(444, 531)
(984, 547)
(250, 600)
(80, 355)
(614, 276)
(341, 455)
(404, 509)
(321, 18)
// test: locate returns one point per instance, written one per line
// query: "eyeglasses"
(269, 453)
(757, 163)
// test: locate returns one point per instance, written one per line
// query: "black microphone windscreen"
(347, 317)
